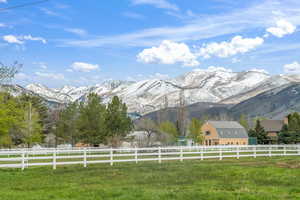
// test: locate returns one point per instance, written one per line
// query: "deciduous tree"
(195, 131)
(149, 127)
(170, 129)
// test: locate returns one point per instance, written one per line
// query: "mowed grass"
(247, 178)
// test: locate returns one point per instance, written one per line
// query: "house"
(273, 127)
(224, 133)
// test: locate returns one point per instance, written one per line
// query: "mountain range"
(272, 104)
(213, 85)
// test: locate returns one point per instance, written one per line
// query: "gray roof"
(229, 129)
(272, 125)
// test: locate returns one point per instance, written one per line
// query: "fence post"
(159, 155)
(181, 154)
(27, 159)
(111, 157)
(238, 153)
(136, 155)
(84, 158)
(254, 151)
(284, 150)
(202, 151)
(298, 147)
(54, 159)
(270, 151)
(220, 153)
(23, 160)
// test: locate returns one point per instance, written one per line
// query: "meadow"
(247, 178)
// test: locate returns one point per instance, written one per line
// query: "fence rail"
(24, 158)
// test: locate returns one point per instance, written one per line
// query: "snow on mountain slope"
(15, 90)
(49, 94)
(211, 85)
(269, 84)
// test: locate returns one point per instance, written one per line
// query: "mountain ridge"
(214, 85)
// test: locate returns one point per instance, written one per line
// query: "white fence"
(24, 158)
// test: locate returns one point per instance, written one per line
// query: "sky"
(85, 42)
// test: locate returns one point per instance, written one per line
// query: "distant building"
(224, 133)
(273, 128)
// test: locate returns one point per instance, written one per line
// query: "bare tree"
(7, 73)
(149, 127)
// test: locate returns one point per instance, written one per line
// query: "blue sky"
(64, 42)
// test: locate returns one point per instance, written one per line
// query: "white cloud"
(235, 60)
(133, 15)
(3, 1)
(69, 70)
(49, 12)
(84, 67)
(199, 27)
(54, 76)
(12, 39)
(22, 76)
(77, 31)
(2, 25)
(21, 39)
(282, 28)
(213, 69)
(157, 3)
(29, 37)
(259, 70)
(292, 68)
(159, 76)
(238, 44)
(169, 52)
(42, 65)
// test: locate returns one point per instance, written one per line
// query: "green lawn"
(247, 178)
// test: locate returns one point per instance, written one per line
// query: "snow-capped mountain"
(49, 94)
(211, 85)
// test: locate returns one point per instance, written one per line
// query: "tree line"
(21, 120)
(93, 122)
(26, 120)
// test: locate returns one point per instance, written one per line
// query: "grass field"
(247, 178)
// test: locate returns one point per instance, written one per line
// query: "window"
(207, 133)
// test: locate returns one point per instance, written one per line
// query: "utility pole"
(182, 113)
(165, 108)
(29, 123)
(162, 113)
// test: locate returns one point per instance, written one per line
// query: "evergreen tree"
(117, 122)
(290, 133)
(91, 121)
(259, 133)
(285, 136)
(195, 131)
(66, 126)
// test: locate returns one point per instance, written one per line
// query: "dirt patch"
(291, 165)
